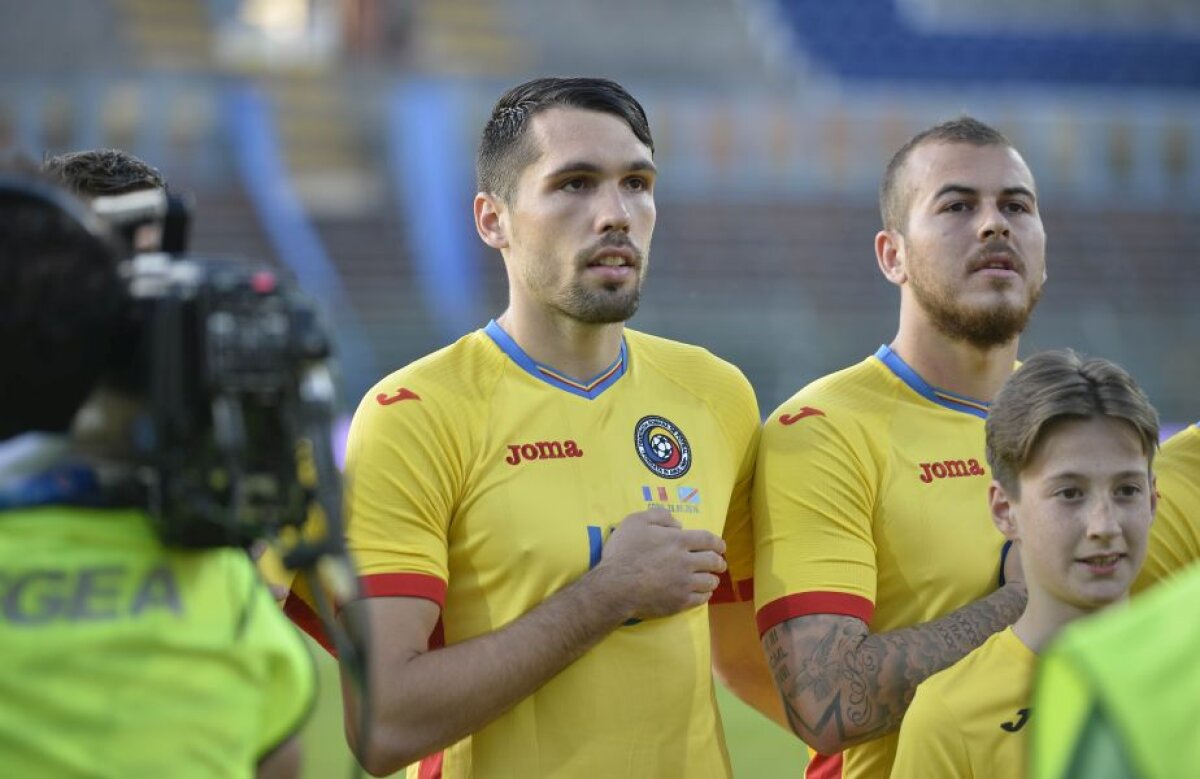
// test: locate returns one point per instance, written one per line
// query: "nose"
(994, 223)
(612, 210)
(1102, 520)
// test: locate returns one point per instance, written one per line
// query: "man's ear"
(1003, 514)
(889, 253)
(489, 220)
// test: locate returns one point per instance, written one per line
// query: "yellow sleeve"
(1175, 535)
(406, 462)
(813, 498)
(739, 526)
(1062, 703)
(931, 741)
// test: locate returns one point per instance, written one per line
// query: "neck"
(955, 365)
(573, 348)
(103, 427)
(1044, 617)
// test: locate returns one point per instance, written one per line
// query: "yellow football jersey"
(870, 500)
(968, 722)
(1175, 535)
(486, 482)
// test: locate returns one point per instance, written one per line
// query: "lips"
(612, 258)
(1101, 564)
(1002, 262)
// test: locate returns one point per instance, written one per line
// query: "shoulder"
(930, 710)
(449, 383)
(857, 390)
(979, 660)
(696, 371)
(459, 367)
(1186, 440)
(848, 405)
(1180, 453)
(682, 360)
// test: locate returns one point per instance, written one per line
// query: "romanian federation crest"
(662, 447)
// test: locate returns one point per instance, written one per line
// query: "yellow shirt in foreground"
(486, 482)
(970, 720)
(871, 501)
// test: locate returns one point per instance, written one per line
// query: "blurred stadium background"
(335, 138)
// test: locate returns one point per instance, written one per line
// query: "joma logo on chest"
(951, 469)
(542, 450)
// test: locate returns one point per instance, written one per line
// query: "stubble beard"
(604, 305)
(984, 327)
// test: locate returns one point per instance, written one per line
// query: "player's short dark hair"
(893, 205)
(1056, 386)
(101, 172)
(61, 304)
(505, 149)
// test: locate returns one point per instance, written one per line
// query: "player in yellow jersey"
(1175, 540)
(877, 564)
(537, 509)
(121, 657)
(1070, 443)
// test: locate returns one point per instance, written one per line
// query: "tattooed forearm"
(841, 685)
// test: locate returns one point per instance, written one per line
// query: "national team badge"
(662, 447)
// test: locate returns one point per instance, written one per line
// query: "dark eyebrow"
(957, 189)
(639, 165)
(963, 189)
(1072, 476)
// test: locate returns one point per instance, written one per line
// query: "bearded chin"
(983, 327)
(602, 307)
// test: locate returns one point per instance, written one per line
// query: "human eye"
(1129, 490)
(956, 207)
(638, 183)
(575, 184)
(1069, 493)
(1016, 207)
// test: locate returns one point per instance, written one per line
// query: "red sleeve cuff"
(404, 585)
(382, 585)
(805, 603)
(307, 620)
(729, 591)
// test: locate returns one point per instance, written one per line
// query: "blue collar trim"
(950, 400)
(589, 389)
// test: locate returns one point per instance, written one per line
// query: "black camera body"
(226, 368)
(233, 363)
(239, 397)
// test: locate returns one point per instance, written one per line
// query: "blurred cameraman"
(121, 657)
(102, 428)
(95, 173)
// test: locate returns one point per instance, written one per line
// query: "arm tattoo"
(842, 685)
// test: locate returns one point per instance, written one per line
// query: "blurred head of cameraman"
(96, 173)
(103, 427)
(122, 656)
